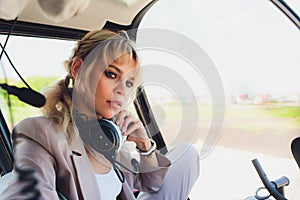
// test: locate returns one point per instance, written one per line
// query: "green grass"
(21, 110)
(261, 118)
(290, 112)
(249, 112)
(285, 111)
(19, 113)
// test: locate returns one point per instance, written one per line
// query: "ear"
(76, 64)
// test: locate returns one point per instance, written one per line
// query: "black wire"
(5, 77)
(119, 173)
(3, 70)
(6, 40)
(13, 66)
(8, 100)
(8, 58)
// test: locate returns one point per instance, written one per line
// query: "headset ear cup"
(101, 138)
(101, 135)
(112, 132)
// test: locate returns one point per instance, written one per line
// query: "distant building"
(294, 98)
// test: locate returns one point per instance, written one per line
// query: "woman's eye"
(129, 84)
(111, 74)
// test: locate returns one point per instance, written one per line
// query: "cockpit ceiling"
(75, 14)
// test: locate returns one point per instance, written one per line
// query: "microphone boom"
(26, 95)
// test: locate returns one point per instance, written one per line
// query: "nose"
(120, 88)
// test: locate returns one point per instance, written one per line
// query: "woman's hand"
(133, 129)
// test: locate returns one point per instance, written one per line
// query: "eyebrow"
(119, 70)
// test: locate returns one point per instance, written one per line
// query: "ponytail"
(59, 104)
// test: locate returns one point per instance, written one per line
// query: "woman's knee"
(183, 152)
(185, 156)
(192, 158)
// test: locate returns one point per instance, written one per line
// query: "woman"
(103, 73)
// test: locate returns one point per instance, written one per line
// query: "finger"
(133, 138)
(127, 123)
(120, 117)
(135, 125)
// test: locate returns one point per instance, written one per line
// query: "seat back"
(295, 147)
(4, 181)
(6, 150)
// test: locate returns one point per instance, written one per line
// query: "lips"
(115, 104)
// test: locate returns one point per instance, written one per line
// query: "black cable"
(8, 58)
(3, 70)
(5, 77)
(8, 99)
(119, 173)
(13, 66)
(6, 40)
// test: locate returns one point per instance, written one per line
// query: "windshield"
(255, 50)
(39, 62)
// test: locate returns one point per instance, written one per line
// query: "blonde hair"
(96, 48)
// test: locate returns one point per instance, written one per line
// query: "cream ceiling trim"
(90, 14)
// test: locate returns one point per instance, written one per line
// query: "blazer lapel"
(84, 172)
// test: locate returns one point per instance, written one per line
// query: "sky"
(36, 56)
(253, 46)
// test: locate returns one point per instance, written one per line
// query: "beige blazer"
(63, 167)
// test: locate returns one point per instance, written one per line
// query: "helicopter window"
(39, 61)
(255, 50)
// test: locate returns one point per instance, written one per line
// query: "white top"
(109, 185)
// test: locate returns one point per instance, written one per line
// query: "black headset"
(105, 137)
(102, 135)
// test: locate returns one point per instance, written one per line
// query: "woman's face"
(116, 85)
